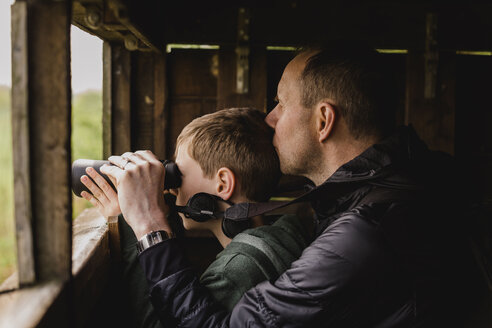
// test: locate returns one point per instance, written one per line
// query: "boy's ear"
(226, 183)
(325, 120)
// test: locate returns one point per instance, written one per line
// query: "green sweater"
(253, 256)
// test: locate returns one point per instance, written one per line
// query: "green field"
(86, 143)
(7, 232)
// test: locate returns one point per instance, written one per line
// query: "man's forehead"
(293, 70)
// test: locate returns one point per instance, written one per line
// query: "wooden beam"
(107, 100)
(161, 112)
(50, 130)
(27, 307)
(21, 146)
(192, 78)
(42, 137)
(120, 100)
(142, 82)
(91, 262)
(433, 119)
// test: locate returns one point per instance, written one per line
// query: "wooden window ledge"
(30, 306)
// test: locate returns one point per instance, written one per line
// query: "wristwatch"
(153, 238)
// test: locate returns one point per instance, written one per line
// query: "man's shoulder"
(355, 236)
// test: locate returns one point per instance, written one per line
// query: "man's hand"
(103, 197)
(139, 180)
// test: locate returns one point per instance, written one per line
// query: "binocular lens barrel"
(172, 180)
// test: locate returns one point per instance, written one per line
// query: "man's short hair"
(356, 78)
(239, 139)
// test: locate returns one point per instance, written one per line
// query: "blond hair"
(239, 139)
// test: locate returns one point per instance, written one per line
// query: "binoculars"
(172, 180)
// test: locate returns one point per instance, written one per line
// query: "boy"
(228, 154)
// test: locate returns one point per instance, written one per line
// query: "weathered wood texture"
(48, 304)
(50, 129)
(142, 82)
(46, 125)
(433, 119)
(161, 110)
(107, 117)
(134, 101)
(27, 307)
(114, 238)
(192, 80)
(226, 89)
(21, 153)
(119, 86)
(91, 262)
(391, 24)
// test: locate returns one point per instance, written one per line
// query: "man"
(228, 154)
(388, 251)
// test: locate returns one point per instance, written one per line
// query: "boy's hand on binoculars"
(139, 180)
(103, 197)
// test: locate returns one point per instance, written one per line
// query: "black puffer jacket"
(390, 252)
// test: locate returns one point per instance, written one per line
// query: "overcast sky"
(86, 55)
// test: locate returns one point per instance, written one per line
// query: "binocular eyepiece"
(172, 180)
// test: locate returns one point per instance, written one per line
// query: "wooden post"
(21, 154)
(116, 100)
(161, 112)
(430, 102)
(143, 100)
(107, 100)
(149, 97)
(41, 130)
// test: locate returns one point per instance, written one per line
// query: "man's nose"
(271, 118)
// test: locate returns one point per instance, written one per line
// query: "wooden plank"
(161, 113)
(192, 88)
(114, 238)
(394, 24)
(142, 86)
(91, 262)
(28, 306)
(107, 100)
(41, 122)
(226, 90)
(433, 119)
(184, 111)
(50, 130)
(120, 99)
(21, 146)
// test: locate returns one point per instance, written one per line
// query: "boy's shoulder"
(287, 231)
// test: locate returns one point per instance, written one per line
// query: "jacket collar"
(386, 162)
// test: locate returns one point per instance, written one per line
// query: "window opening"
(8, 256)
(87, 138)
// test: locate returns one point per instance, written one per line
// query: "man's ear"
(325, 120)
(226, 183)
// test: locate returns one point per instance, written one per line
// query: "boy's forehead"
(182, 148)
